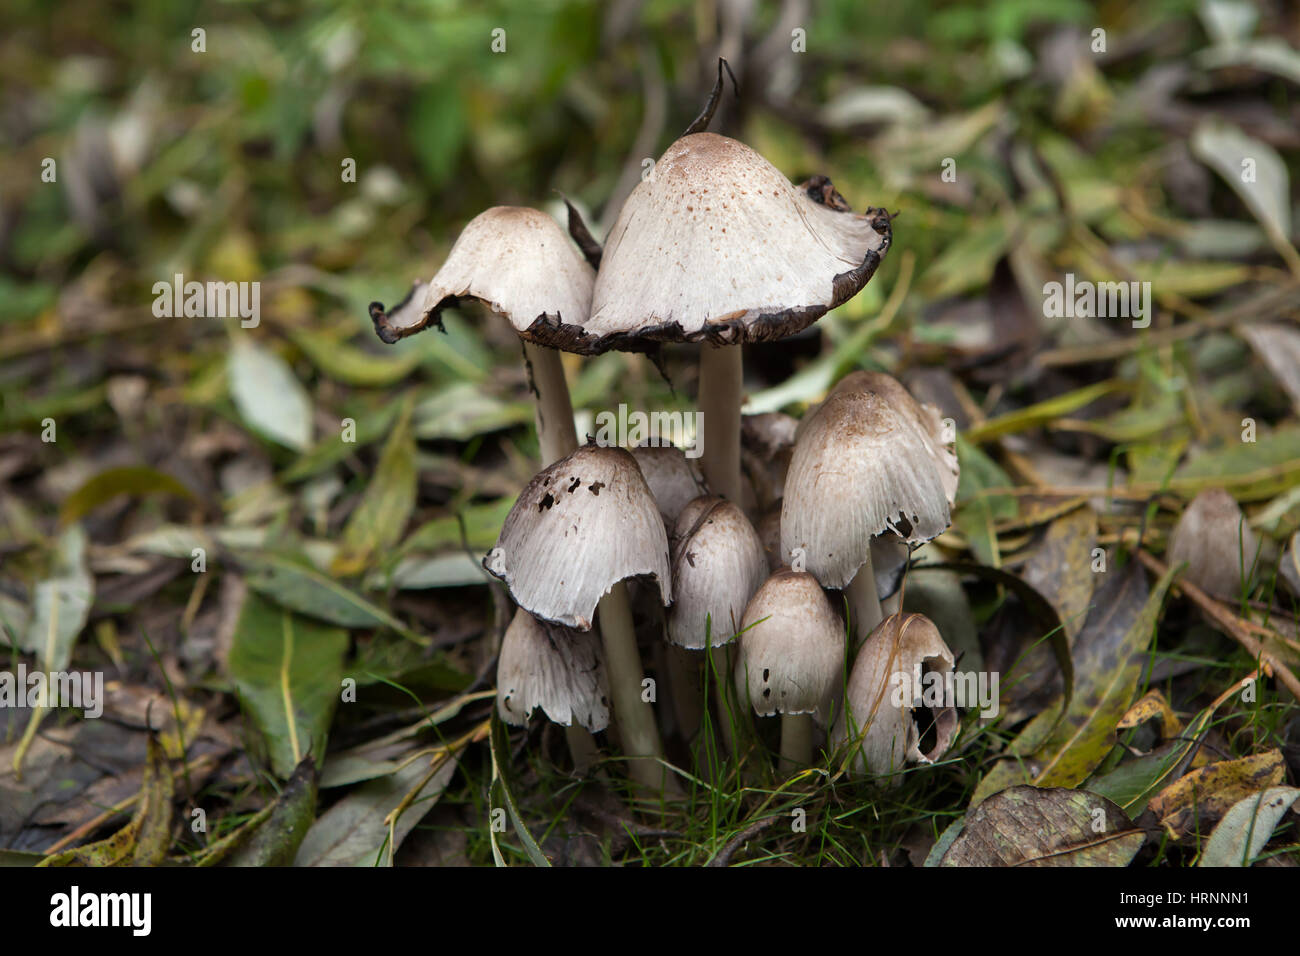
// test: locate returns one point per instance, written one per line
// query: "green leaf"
(354, 366)
(464, 410)
(293, 583)
(112, 482)
(275, 840)
(288, 672)
(379, 520)
(437, 129)
(1244, 829)
(977, 513)
(370, 427)
(500, 747)
(353, 831)
(1108, 659)
(1253, 169)
(268, 396)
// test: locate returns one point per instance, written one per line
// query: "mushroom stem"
(684, 682)
(634, 716)
(555, 433)
(864, 603)
(796, 741)
(582, 747)
(721, 368)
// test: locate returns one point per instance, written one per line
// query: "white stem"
(635, 717)
(555, 433)
(582, 747)
(864, 603)
(796, 741)
(721, 371)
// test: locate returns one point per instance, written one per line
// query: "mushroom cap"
(791, 648)
(673, 478)
(516, 261)
(578, 528)
(869, 459)
(716, 244)
(901, 644)
(1214, 538)
(718, 564)
(552, 668)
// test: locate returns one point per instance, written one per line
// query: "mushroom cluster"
(716, 248)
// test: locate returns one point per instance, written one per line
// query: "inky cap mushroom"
(868, 460)
(716, 244)
(578, 528)
(791, 648)
(552, 668)
(718, 564)
(673, 478)
(516, 261)
(889, 668)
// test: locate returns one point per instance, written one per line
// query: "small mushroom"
(518, 262)
(578, 530)
(1217, 543)
(766, 443)
(790, 658)
(554, 669)
(868, 460)
(718, 564)
(878, 722)
(673, 478)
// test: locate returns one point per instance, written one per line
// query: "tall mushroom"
(718, 564)
(518, 262)
(579, 529)
(869, 459)
(791, 658)
(716, 246)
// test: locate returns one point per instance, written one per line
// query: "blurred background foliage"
(230, 163)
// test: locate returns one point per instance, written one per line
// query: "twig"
(1232, 625)
(740, 839)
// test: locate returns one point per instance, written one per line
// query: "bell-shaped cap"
(879, 720)
(516, 261)
(791, 648)
(578, 528)
(718, 564)
(1217, 543)
(716, 244)
(673, 478)
(554, 669)
(869, 459)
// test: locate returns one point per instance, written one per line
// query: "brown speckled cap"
(869, 459)
(578, 528)
(717, 245)
(516, 261)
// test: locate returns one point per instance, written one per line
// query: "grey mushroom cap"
(516, 261)
(673, 478)
(868, 460)
(578, 528)
(883, 731)
(718, 564)
(717, 245)
(791, 649)
(554, 669)
(1214, 538)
